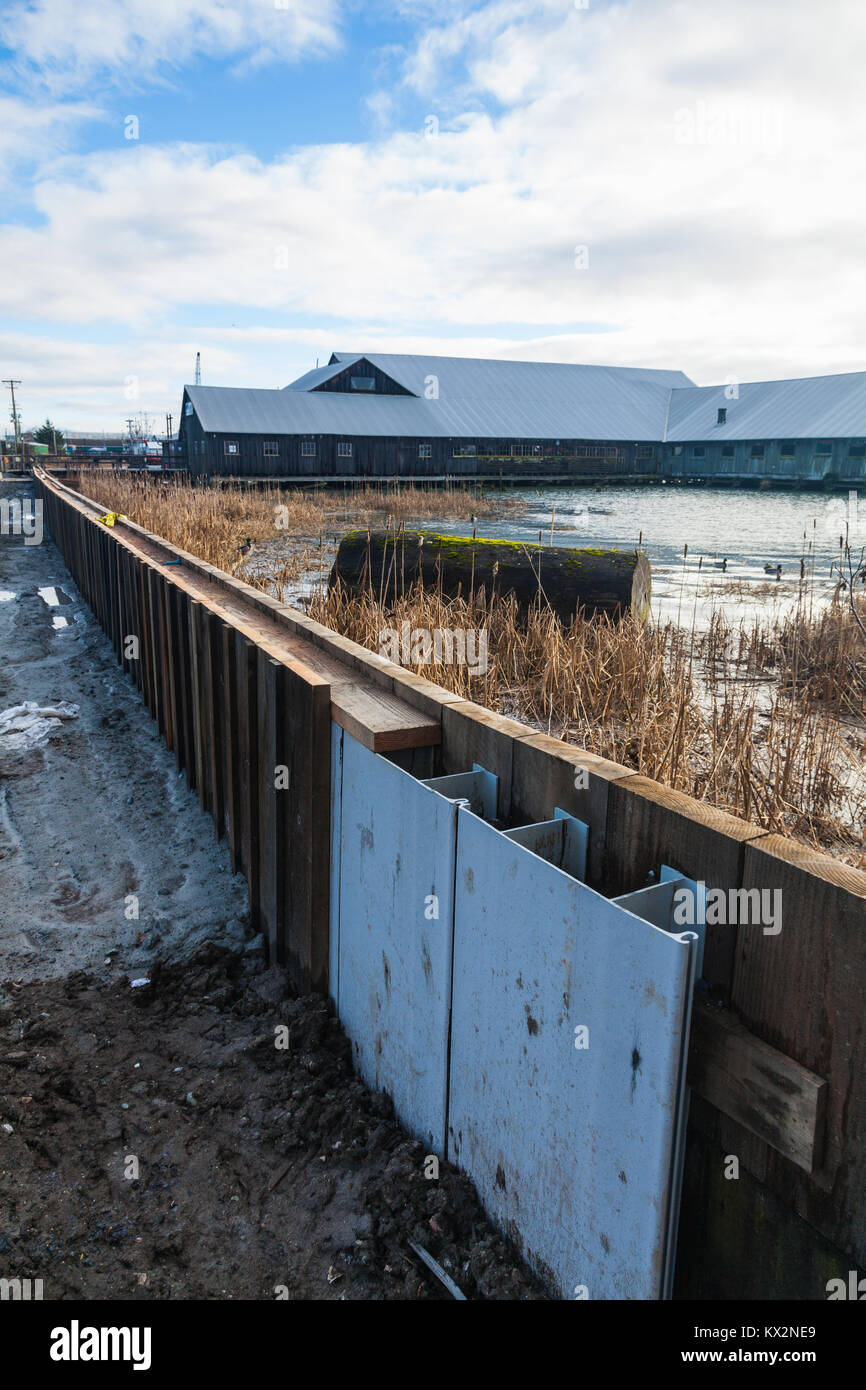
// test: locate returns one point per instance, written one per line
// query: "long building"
(381, 414)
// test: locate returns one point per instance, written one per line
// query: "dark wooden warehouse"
(390, 415)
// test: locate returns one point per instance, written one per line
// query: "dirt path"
(156, 1141)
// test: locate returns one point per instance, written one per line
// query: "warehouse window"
(230, 446)
(464, 451)
(344, 451)
(857, 451)
(787, 449)
(824, 446)
(722, 415)
(308, 449)
(425, 451)
(757, 451)
(271, 449)
(727, 451)
(362, 383)
(698, 451)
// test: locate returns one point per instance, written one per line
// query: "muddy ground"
(159, 1140)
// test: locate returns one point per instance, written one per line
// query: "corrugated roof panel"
(636, 412)
(488, 378)
(317, 375)
(473, 397)
(248, 410)
(817, 407)
(487, 399)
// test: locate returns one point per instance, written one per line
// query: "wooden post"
(194, 630)
(304, 748)
(214, 710)
(150, 582)
(230, 744)
(246, 678)
(175, 672)
(163, 658)
(271, 806)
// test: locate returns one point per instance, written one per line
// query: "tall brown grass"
(765, 720)
(728, 716)
(213, 523)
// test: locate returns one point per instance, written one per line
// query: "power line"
(12, 384)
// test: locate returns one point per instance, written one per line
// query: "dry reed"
(765, 720)
(748, 737)
(213, 523)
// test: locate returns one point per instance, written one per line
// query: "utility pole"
(12, 385)
(168, 450)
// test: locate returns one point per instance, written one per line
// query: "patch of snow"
(26, 726)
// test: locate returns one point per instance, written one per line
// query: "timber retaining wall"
(777, 1063)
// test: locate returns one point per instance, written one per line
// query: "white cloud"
(707, 156)
(100, 384)
(35, 132)
(68, 42)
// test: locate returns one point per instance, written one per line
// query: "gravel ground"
(201, 1135)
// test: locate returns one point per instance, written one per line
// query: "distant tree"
(47, 434)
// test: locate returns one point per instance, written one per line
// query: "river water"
(745, 528)
(749, 529)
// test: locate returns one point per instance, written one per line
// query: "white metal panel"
(575, 1151)
(336, 838)
(396, 907)
(563, 841)
(478, 789)
(658, 904)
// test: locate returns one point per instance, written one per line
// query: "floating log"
(568, 580)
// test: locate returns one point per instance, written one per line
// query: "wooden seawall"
(245, 689)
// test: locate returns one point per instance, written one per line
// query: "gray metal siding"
(805, 463)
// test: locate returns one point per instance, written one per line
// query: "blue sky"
(663, 183)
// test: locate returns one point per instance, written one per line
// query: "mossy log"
(568, 580)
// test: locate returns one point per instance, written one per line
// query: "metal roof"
(637, 412)
(249, 410)
(317, 376)
(489, 378)
(455, 397)
(814, 407)
(474, 398)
